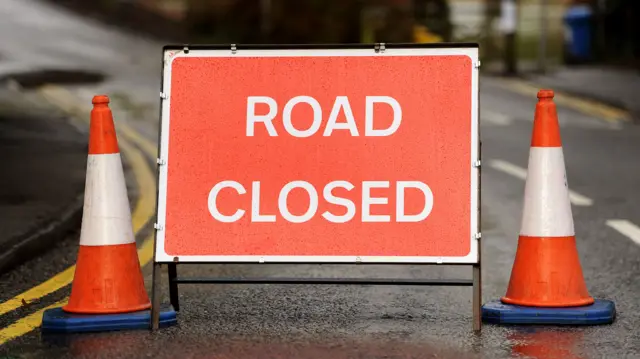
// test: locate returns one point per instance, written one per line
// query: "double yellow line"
(142, 213)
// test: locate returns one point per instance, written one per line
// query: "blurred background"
(55, 55)
(514, 34)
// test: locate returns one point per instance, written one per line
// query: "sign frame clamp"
(470, 163)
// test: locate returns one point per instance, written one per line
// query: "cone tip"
(100, 99)
(545, 93)
(102, 133)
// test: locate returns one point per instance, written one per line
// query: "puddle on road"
(202, 346)
(543, 343)
(34, 79)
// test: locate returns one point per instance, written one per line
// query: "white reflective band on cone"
(547, 210)
(106, 218)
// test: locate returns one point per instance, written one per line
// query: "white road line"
(626, 228)
(516, 171)
(495, 118)
(509, 168)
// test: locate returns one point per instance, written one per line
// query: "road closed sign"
(319, 155)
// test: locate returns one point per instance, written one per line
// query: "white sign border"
(160, 256)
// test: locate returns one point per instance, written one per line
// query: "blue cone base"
(59, 321)
(600, 312)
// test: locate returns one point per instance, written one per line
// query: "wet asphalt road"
(276, 321)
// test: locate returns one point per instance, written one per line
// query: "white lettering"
(329, 197)
(367, 201)
(255, 205)
(252, 118)
(428, 201)
(317, 116)
(340, 105)
(313, 201)
(213, 208)
(368, 118)
(341, 102)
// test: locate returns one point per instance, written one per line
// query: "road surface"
(330, 321)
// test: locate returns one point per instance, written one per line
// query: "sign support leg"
(477, 298)
(155, 297)
(477, 268)
(173, 286)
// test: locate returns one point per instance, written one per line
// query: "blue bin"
(578, 24)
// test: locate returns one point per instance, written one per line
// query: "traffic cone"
(547, 271)
(547, 284)
(108, 290)
(108, 278)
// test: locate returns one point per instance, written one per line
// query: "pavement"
(43, 178)
(265, 321)
(42, 190)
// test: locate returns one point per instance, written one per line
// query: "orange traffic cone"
(108, 278)
(546, 272)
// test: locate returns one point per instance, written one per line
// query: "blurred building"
(319, 21)
(277, 21)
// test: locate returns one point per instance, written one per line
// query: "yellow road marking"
(145, 252)
(608, 113)
(147, 146)
(145, 209)
(49, 286)
(26, 324)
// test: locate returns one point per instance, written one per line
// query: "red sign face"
(296, 157)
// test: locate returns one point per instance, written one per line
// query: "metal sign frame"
(171, 52)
